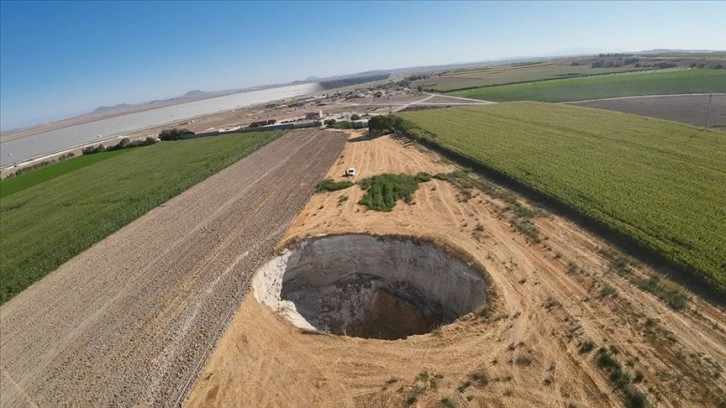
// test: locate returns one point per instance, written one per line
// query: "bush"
(620, 378)
(607, 361)
(173, 134)
(389, 123)
(422, 177)
(330, 185)
(674, 298)
(586, 347)
(344, 124)
(355, 116)
(93, 149)
(635, 399)
(384, 190)
(124, 143)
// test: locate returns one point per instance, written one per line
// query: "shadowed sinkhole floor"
(374, 287)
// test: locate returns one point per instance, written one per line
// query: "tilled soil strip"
(131, 320)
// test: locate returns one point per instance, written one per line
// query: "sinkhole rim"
(372, 286)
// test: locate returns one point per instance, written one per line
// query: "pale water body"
(20, 150)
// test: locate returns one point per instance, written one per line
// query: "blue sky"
(59, 59)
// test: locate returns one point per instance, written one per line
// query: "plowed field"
(130, 321)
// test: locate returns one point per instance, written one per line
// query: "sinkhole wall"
(370, 286)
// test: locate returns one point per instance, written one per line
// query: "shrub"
(124, 143)
(606, 360)
(384, 190)
(635, 399)
(389, 123)
(331, 185)
(173, 134)
(93, 149)
(586, 347)
(343, 124)
(447, 403)
(620, 378)
(608, 290)
(523, 361)
(422, 177)
(674, 298)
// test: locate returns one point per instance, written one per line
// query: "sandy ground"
(131, 320)
(689, 109)
(528, 346)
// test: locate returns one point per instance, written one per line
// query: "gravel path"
(131, 320)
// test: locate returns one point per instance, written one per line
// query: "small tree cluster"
(124, 143)
(381, 124)
(173, 134)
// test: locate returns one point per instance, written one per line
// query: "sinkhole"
(360, 285)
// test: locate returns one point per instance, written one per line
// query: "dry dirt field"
(525, 352)
(689, 109)
(130, 321)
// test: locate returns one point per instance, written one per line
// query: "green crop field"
(35, 177)
(509, 75)
(659, 183)
(606, 86)
(47, 224)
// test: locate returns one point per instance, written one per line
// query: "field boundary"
(644, 96)
(689, 277)
(537, 80)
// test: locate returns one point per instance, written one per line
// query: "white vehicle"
(350, 172)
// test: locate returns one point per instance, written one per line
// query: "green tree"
(173, 134)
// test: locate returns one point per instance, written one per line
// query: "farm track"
(131, 320)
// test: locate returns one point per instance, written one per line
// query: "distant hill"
(195, 92)
(191, 95)
(105, 109)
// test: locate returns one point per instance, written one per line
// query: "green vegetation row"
(39, 165)
(517, 75)
(331, 185)
(47, 224)
(606, 86)
(659, 185)
(124, 143)
(382, 191)
(37, 176)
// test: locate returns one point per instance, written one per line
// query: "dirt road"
(550, 299)
(131, 320)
